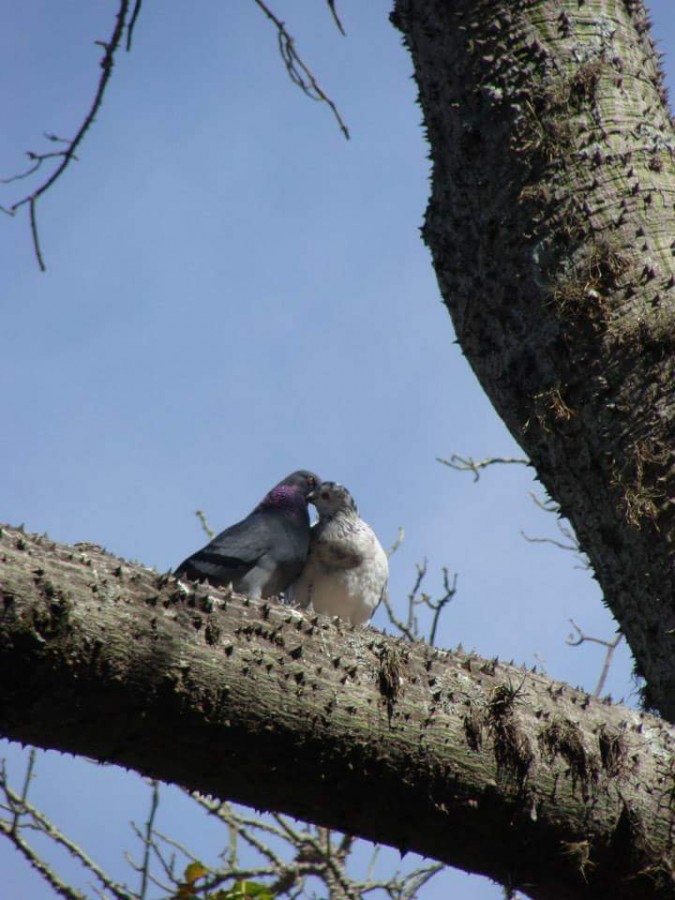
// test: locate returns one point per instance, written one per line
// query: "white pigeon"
(346, 570)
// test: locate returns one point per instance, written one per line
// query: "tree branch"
(471, 762)
(298, 71)
(550, 223)
(66, 156)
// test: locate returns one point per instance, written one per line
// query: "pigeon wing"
(231, 554)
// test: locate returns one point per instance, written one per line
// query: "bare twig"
(547, 540)
(68, 154)
(21, 805)
(400, 537)
(148, 838)
(205, 525)
(396, 622)
(297, 69)
(39, 822)
(439, 605)
(609, 653)
(410, 630)
(132, 23)
(547, 505)
(336, 18)
(468, 464)
(570, 542)
(40, 866)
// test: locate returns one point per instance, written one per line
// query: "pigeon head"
(330, 498)
(292, 492)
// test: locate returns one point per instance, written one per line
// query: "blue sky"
(233, 292)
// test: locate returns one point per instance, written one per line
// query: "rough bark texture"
(552, 226)
(472, 762)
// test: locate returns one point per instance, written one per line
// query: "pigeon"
(346, 570)
(265, 552)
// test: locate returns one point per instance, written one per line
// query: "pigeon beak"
(311, 497)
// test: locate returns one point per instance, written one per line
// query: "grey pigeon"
(265, 552)
(346, 570)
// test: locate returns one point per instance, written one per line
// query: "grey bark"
(552, 225)
(473, 762)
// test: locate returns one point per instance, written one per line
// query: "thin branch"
(552, 541)
(439, 605)
(38, 160)
(609, 653)
(21, 805)
(396, 622)
(205, 525)
(468, 464)
(40, 866)
(68, 154)
(400, 537)
(410, 629)
(132, 23)
(45, 826)
(35, 235)
(148, 839)
(549, 506)
(336, 18)
(297, 69)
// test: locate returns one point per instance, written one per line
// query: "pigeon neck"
(285, 499)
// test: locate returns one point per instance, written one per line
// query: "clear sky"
(233, 292)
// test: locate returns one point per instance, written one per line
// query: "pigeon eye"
(325, 495)
(311, 481)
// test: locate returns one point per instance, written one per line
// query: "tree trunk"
(552, 226)
(472, 762)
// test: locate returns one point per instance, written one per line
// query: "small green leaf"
(194, 871)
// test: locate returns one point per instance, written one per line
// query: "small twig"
(147, 838)
(552, 541)
(31, 169)
(21, 805)
(396, 622)
(205, 525)
(439, 605)
(34, 233)
(373, 861)
(297, 69)
(172, 842)
(132, 23)
(336, 18)
(609, 653)
(67, 155)
(468, 464)
(570, 544)
(397, 543)
(549, 506)
(42, 824)
(40, 866)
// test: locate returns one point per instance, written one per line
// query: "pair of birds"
(337, 567)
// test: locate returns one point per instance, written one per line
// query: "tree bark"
(552, 224)
(473, 762)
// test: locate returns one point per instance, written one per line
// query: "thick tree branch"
(551, 225)
(473, 763)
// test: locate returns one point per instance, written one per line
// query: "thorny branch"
(23, 816)
(299, 72)
(300, 852)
